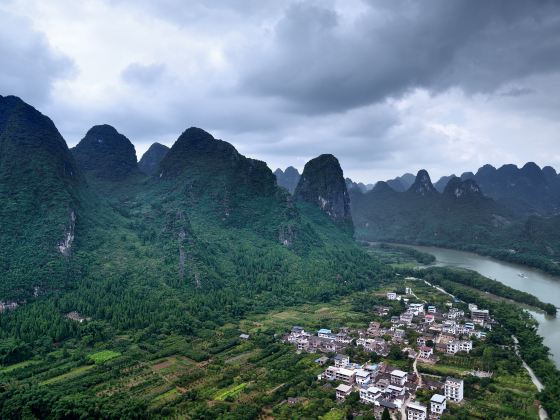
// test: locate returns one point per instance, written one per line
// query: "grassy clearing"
(68, 375)
(334, 414)
(308, 316)
(442, 370)
(20, 365)
(232, 391)
(172, 393)
(103, 356)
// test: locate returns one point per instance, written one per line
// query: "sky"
(386, 86)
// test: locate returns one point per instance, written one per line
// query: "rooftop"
(416, 406)
(344, 388)
(346, 372)
(437, 398)
(398, 373)
(450, 379)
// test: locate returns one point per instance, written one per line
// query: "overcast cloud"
(387, 86)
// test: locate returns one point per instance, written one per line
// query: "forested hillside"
(43, 197)
(172, 257)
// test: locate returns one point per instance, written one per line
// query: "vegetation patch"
(103, 356)
(230, 392)
(19, 365)
(69, 375)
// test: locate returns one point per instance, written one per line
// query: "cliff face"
(322, 184)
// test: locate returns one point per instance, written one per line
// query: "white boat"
(522, 275)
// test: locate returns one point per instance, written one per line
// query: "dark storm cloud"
(29, 66)
(318, 61)
(143, 74)
(387, 86)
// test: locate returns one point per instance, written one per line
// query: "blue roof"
(324, 331)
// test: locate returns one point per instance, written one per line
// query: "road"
(542, 412)
(419, 377)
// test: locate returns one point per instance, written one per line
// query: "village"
(446, 331)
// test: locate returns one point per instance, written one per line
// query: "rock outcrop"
(322, 184)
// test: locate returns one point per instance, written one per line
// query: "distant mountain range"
(287, 179)
(517, 220)
(526, 190)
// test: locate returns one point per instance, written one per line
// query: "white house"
(330, 373)
(432, 309)
(324, 333)
(346, 376)
(391, 296)
(426, 352)
(341, 360)
(454, 389)
(415, 411)
(452, 347)
(437, 404)
(416, 308)
(342, 391)
(465, 346)
(398, 377)
(370, 395)
(362, 376)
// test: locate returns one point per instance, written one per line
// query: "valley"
(168, 294)
(542, 285)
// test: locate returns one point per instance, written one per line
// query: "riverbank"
(541, 285)
(516, 323)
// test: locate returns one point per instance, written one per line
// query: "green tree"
(385, 415)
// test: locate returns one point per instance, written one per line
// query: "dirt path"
(542, 412)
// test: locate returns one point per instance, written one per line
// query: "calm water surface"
(544, 286)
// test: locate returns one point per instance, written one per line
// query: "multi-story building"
(426, 352)
(416, 308)
(363, 377)
(415, 411)
(342, 391)
(454, 389)
(398, 377)
(370, 395)
(437, 404)
(325, 333)
(346, 376)
(341, 360)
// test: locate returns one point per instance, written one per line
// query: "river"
(539, 284)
